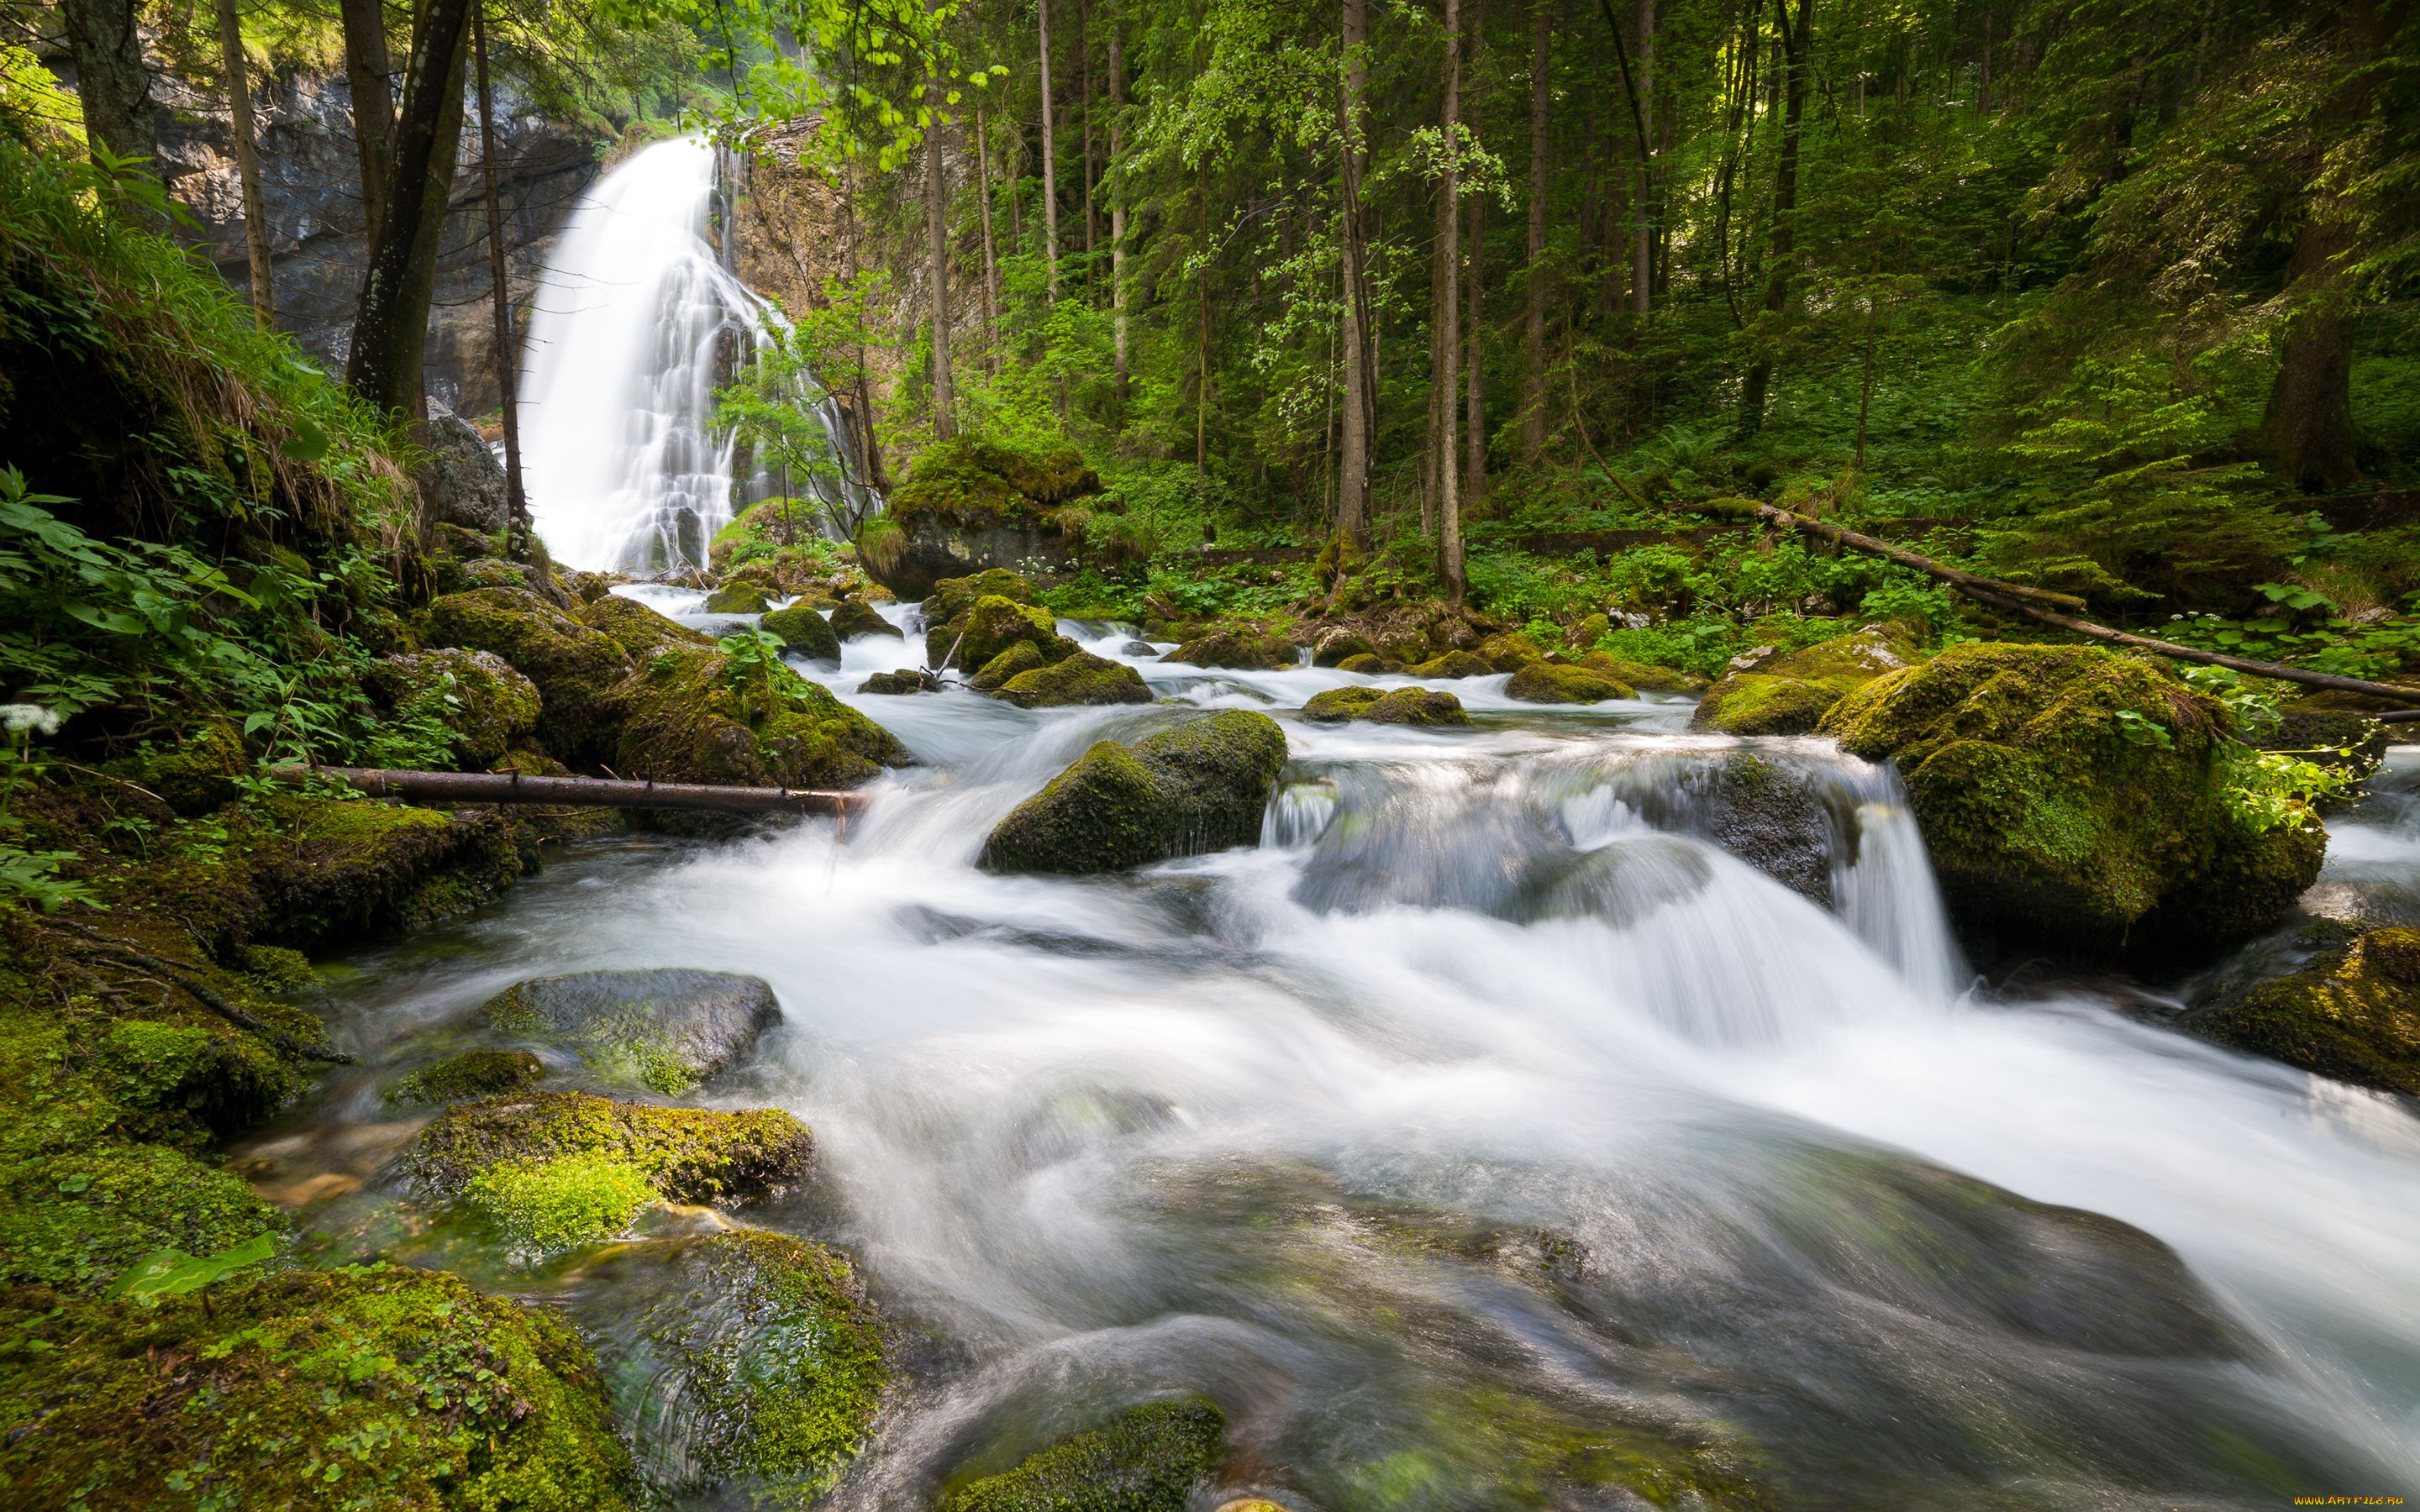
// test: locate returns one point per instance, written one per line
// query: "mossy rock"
(1453, 664)
(1510, 652)
(1430, 707)
(370, 1388)
(904, 680)
(1339, 704)
(2072, 799)
(73, 1220)
(355, 870)
(1364, 664)
(699, 716)
(223, 1079)
(687, 1154)
(975, 481)
(1790, 694)
(1019, 658)
(1237, 647)
(471, 1074)
(1147, 1458)
(2353, 1014)
(803, 632)
(489, 707)
(576, 667)
(669, 1029)
(854, 617)
(1081, 678)
(1335, 645)
(952, 598)
(765, 1348)
(198, 772)
(2343, 740)
(1644, 676)
(641, 632)
(992, 626)
(1539, 683)
(1200, 786)
(743, 597)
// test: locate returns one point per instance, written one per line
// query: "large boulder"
(641, 632)
(356, 870)
(1788, 694)
(971, 505)
(576, 667)
(743, 597)
(1540, 682)
(803, 632)
(460, 481)
(953, 598)
(2353, 1013)
(2076, 801)
(488, 706)
(1432, 706)
(1147, 1458)
(1199, 786)
(697, 716)
(854, 617)
(1080, 678)
(669, 1029)
(991, 626)
(1240, 647)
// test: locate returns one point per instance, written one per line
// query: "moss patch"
(574, 666)
(1540, 682)
(472, 1074)
(971, 481)
(992, 626)
(641, 632)
(697, 715)
(1432, 706)
(360, 869)
(690, 1154)
(545, 1206)
(2353, 1014)
(1242, 647)
(1789, 695)
(1453, 664)
(1200, 786)
(75, 1219)
(854, 617)
(490, 707)
(1147, 1458)
(803, 632)
(736, 598)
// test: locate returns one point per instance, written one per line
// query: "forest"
(1274, 755)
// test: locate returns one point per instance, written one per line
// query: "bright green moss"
(993, 626)
(1641, 675)
(362, 868)
(1147, 1458)
(75, 1219)
(975, 481)
(472, 1074)
(363, 1390)
(545, 1206)
(952, 598)
(641, 632)
(1429, 707)
(576, 667)
(1200, 785)
(698, 716)
(1789, 695)
(1243, 647)
(1018, 659)
(1451, 664)
(803, 632)
(1542, 683)
(1339, 704)
(1078, 679)
(736, 598)
(691, 1155)
(2353, 1014)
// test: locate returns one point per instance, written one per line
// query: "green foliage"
(1147, 1458)
(546, 1207)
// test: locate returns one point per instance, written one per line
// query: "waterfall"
(638, 320)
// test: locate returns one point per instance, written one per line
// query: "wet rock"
(641, 632)
(1147, 1458)
(1539, 683)
(1790, 694)
(1199, 786)
(1078, 679)
(1453, 664)
(853, 617)
(1364, 664)
(2074, 801)
(738, 598)
(460, 481)
(576, 667)
(1237, 647)
(669, 1029)
(1378, 706)
(991, 626)
(357, 869)
(905, 680)
(699, 716)
(1020, 657)
(803, 632)
(758, 1357)
(1508, 653)
(472, 1074)
(2353, 1014)
(322, 1359)
(488, 707)
(1771, 815)
(1333, 646)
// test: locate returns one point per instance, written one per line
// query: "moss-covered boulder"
(803, 632)
(1541, 683)
(1199, 786)
(576, 667)
(199, 772)
(2076, 801)
(2353, 1014)
(902, 680)
(1432, 706)
(700, 716)
(1080, 678)
(1147, 1458)
(1334, 644)
(991, 626)
(1644, 676)
(1509, 652)
(1019, 658)
(469, 1074)
(641, 632)
(743, 597)
(971, 501)
(764, 1349)
(369, 1388)
(953, 598)
(488, 707)
(1788, 694)
(1239, 647)
(1365, 664)
(358, 869)
(854, 617)
(669, 1029)
(1453, 664)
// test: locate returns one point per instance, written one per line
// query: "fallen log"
(2013, 598)
(571, 792)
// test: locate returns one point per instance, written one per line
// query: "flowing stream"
(1484, 1117)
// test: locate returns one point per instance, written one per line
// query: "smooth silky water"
(1481, 1126)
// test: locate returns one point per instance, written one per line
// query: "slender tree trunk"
(112, 86)
(1352, 442)
(1050, 164)
(1092, 220)
(393, 326)
(1449, 328)
(1866, 384)
(366, 67)
(991, 257)
(517, 520)
(247, 164)
(1118, 203)
(1794, 40)
(936, 232)
(1202, 350)
(1533, 328)
(1643, 234)
(1474, 419)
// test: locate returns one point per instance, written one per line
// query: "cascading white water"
(637, 322)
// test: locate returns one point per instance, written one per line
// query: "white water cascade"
(638, 320)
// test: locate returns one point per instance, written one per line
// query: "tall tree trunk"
(1202, 350)
(1118, 203)
(1352, 442)
(1085, 63)
(247, 164)
(1794, 39)
(1450, 305)
(992, 255)
(105, 38)
(1474, 417)
(1643, 234)
(517, 520)
(1533, 328)
(936, 232)
(366, 65)
(1050, 164)
(393, 326)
